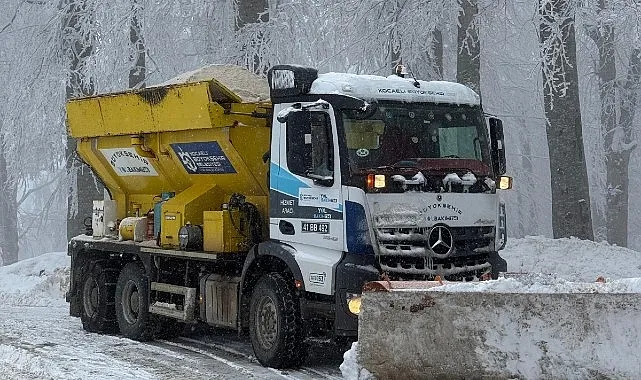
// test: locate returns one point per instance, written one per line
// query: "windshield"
(399, 134)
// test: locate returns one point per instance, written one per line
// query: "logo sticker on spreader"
(203, 158)
(126, 162)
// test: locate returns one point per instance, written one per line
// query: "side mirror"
(497, 147)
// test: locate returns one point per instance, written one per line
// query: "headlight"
(379, 181)
(505, 182)
(375, 181)
(354, 303)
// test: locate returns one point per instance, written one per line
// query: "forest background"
(564, 75)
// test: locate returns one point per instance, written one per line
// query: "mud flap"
(420, 333)
(499, 265)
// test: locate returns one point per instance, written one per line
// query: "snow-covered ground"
(39, 340)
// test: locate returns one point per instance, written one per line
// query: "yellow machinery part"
(222, 234)
(133, 228)
(187, 207)
(134, 142)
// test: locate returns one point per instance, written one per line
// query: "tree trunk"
(77, 49)
(618, 156)
(617, 133)
(437, 49)
(249, 12)
(569, 178)
(394, 41)
(138, 71)
(468, 65)
(603, 37)
(8, 212)
(527, 206)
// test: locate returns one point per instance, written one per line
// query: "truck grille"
(405, 252)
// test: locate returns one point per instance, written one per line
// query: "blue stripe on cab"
(285, 182)
(357, 230)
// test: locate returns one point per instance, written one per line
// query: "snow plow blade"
(416, 331)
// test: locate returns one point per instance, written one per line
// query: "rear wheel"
(132, 303)
(98, 313)
(275, 325)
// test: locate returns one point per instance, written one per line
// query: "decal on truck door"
(126, 162)
(285, 206)
(319, 198)
(290, 197)
(203, 158)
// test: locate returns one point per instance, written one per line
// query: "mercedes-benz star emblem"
(440, 241)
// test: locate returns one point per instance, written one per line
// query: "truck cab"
(388, 177)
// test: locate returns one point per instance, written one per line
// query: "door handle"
(286, 228)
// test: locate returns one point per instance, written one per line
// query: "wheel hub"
(130, 302)
(90, 297)
(267, 322)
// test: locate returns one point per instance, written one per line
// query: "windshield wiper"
(403, 164)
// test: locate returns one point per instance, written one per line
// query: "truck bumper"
(352, 272)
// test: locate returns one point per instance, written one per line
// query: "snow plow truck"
(265, 205)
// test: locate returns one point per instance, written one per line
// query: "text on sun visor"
(412, 91)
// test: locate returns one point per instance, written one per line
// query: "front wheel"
(275, 324)
(132, 303)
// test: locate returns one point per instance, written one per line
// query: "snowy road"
(39, 340)
(45, 342)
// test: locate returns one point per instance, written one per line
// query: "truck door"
(306, 205)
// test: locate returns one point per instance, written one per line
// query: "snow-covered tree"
(569, 178)
(138, 55)
(618, 96)
(468, 63)
(499, 47)
(31, 121)
(77, 44)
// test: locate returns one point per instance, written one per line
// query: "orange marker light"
(370, 181)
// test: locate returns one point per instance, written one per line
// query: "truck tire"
(275, 324)
(132, 303)
(98, 313)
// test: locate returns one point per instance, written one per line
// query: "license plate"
(318, 228)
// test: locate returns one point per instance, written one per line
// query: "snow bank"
(40, 281)
(571, 259)
(541, 265)
(350, 369)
